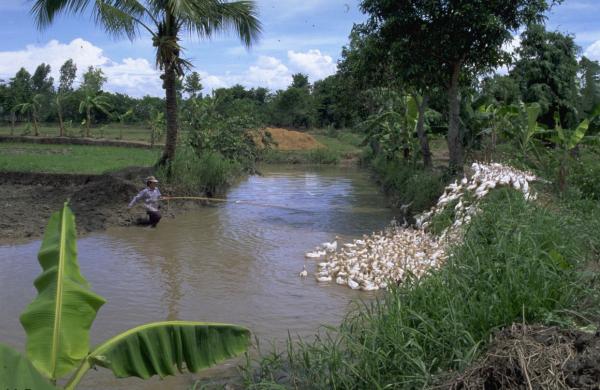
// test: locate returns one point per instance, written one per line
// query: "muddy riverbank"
(98, 201)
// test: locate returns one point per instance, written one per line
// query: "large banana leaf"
(58, 320)
(578, 134)
(16, 372)
(166, 348)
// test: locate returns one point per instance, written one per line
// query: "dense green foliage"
(519, 262)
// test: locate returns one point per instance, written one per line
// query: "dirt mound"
(292, 140)
(535, 357)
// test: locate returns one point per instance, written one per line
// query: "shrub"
(191, 174)
(409, 183)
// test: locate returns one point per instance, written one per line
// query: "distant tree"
(68, 73)
(546, 72)
(123, 118)
(91, 103)
(31, 109)
(4, 99)
(93, 80)
(300, 80)
(295, 106)
(501, 89)
(445, 41)
(192, 85)
(589, 72)
(332, 105)
(20, 92)
(41, 81)
(165, 21)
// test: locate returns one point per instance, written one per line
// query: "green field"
(83, 159)
(345, 143)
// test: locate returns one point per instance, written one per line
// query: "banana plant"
(496, 117)
(31, 109)
(391, 129)
(567, 141)
(57, 323)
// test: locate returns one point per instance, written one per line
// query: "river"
(229, 262)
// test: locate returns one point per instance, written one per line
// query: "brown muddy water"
(231, 262)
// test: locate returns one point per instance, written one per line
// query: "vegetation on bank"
(83, 159)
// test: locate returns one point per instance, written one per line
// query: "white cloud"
(268, 72)
(138, 77)
(593, 51)
(135, 77)
(313, 63)
(272, 73)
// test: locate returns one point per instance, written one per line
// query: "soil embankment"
(98, 201)
(77, 141)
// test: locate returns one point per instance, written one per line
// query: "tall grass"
(518, 262)
(410, 184)
(190, 173)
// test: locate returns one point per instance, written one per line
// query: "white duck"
(304, 272)
(330, 246)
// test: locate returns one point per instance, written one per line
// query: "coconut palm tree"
(93, 102)
(165, 21)
(31, 109)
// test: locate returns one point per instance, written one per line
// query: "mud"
(98, 201)
(535, 357)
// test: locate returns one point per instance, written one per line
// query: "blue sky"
(298, 36)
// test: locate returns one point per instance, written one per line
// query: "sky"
(304, 36)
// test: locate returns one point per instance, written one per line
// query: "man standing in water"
(150, 195)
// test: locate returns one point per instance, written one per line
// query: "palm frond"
(44, 11)
(208, 18)
(116, 22)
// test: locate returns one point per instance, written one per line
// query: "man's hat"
(151, 179)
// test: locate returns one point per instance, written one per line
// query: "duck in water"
(150, 196)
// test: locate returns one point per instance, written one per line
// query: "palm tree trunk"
(421, 134)
(13, 118)
(169, 84)
(35, 126)
(61, 124)
(88, 121)
(454, 141)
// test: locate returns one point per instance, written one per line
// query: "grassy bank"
(72, 158)
(519, 262)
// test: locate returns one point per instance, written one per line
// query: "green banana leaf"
(166, 348)
(16, 372)
(578, 134)
(58, 320)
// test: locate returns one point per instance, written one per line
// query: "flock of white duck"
(375, 260)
